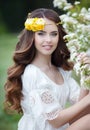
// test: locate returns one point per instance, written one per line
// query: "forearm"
(83, 93)
(86, 111)
(68, 114)
(83, 113)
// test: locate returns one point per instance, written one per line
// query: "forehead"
(50, 25)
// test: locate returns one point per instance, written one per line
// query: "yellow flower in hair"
(34, 24)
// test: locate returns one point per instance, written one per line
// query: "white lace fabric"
(47, 98)
(43, 100)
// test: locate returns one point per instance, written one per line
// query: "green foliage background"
(7, 45)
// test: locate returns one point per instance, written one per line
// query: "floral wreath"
(35, 24)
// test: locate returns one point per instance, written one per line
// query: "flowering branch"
(76, 23)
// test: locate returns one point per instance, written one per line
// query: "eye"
(41, 33)
(54, 34)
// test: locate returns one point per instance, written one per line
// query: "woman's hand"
(84, 58)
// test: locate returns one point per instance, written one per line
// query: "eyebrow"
(50, 32)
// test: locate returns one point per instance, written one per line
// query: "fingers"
(84, 58)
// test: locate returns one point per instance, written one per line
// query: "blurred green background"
(12, 17)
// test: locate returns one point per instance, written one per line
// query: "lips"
(47, 47)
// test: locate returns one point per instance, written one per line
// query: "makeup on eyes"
(53, 33)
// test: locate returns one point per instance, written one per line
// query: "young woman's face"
(46, 40)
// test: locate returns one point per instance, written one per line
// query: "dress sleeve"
(45, 103)
(74, 89)
(38, 98)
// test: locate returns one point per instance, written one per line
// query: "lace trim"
(47, 98)
(52, 115)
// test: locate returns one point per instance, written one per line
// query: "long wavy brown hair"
(25, 53)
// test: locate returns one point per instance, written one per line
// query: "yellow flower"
(34, 24)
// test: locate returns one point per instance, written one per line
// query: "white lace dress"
(44, 99)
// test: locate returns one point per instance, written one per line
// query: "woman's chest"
(55, 76)
(60, 92)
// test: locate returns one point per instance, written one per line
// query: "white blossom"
(77, 25)
(62, 4)
(76, 3)
(69, 6)
(77, 67)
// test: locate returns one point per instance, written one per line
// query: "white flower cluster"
(76, 23)
(62, 4)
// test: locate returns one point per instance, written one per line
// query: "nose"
(48, 38)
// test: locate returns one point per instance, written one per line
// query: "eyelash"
(41, 34)
(53, 34)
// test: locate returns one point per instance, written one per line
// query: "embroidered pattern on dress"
(52, 115)
(47, 98)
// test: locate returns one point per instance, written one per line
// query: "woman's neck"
(42, 61)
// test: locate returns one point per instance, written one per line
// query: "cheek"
(56, 40)
(37, 43)
(38, 40)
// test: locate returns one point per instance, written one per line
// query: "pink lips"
(47, 47)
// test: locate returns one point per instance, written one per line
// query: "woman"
(39, 83)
